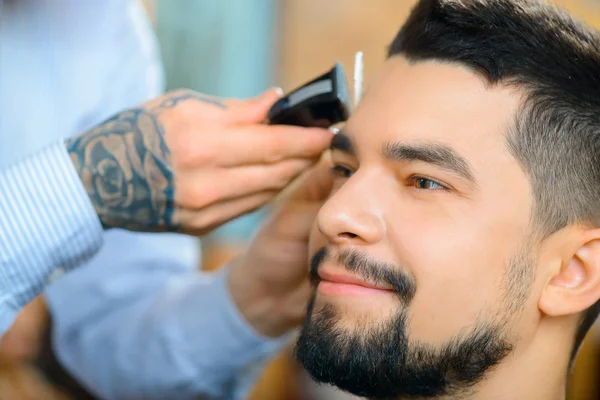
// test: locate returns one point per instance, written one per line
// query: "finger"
(202, 188)
(257, 178)
(294, 300)
(209, 218)
(253, 110)
(300, 298)
(264, 144)
(314, 185)
(294, 221)
(298, 206)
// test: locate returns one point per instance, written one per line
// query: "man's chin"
(327, 346)
(355, 314)
(375, 360)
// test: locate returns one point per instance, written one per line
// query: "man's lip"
(341, 278)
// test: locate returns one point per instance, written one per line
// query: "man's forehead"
(430, 71)
(431, 101)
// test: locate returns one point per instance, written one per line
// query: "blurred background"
(238, 48)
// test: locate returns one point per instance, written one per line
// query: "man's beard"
(381, 361)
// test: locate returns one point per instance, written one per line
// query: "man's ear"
(574, 286)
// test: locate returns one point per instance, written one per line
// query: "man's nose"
(353, 214)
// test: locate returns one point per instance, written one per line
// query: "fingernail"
(279, 91)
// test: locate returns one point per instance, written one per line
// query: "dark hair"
(555, 61)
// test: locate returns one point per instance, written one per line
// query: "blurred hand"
(22, 342)
(269, 282)
(21, 381)
(188, 162)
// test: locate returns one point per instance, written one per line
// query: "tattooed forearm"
(125, 166)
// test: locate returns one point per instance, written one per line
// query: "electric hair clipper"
(322, 102)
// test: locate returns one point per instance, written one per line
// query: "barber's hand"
(189, 162)
(269, 282)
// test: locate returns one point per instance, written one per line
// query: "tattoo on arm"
(125, 166)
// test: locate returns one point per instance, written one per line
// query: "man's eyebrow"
(342, 142)
(433, 153)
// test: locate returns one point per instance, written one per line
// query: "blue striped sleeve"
(47, 225)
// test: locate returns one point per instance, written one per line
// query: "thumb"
(315, 184)
(300, 202)
(255, 110)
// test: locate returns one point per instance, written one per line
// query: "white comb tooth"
(358, 77)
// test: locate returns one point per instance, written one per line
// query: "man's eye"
(339, 171)
(426, 184)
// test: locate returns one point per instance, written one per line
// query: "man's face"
(431, 208)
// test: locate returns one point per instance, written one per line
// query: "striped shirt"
(47, 224)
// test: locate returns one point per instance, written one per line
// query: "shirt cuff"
(47, 225)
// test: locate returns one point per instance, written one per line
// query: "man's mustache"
(370, 270)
